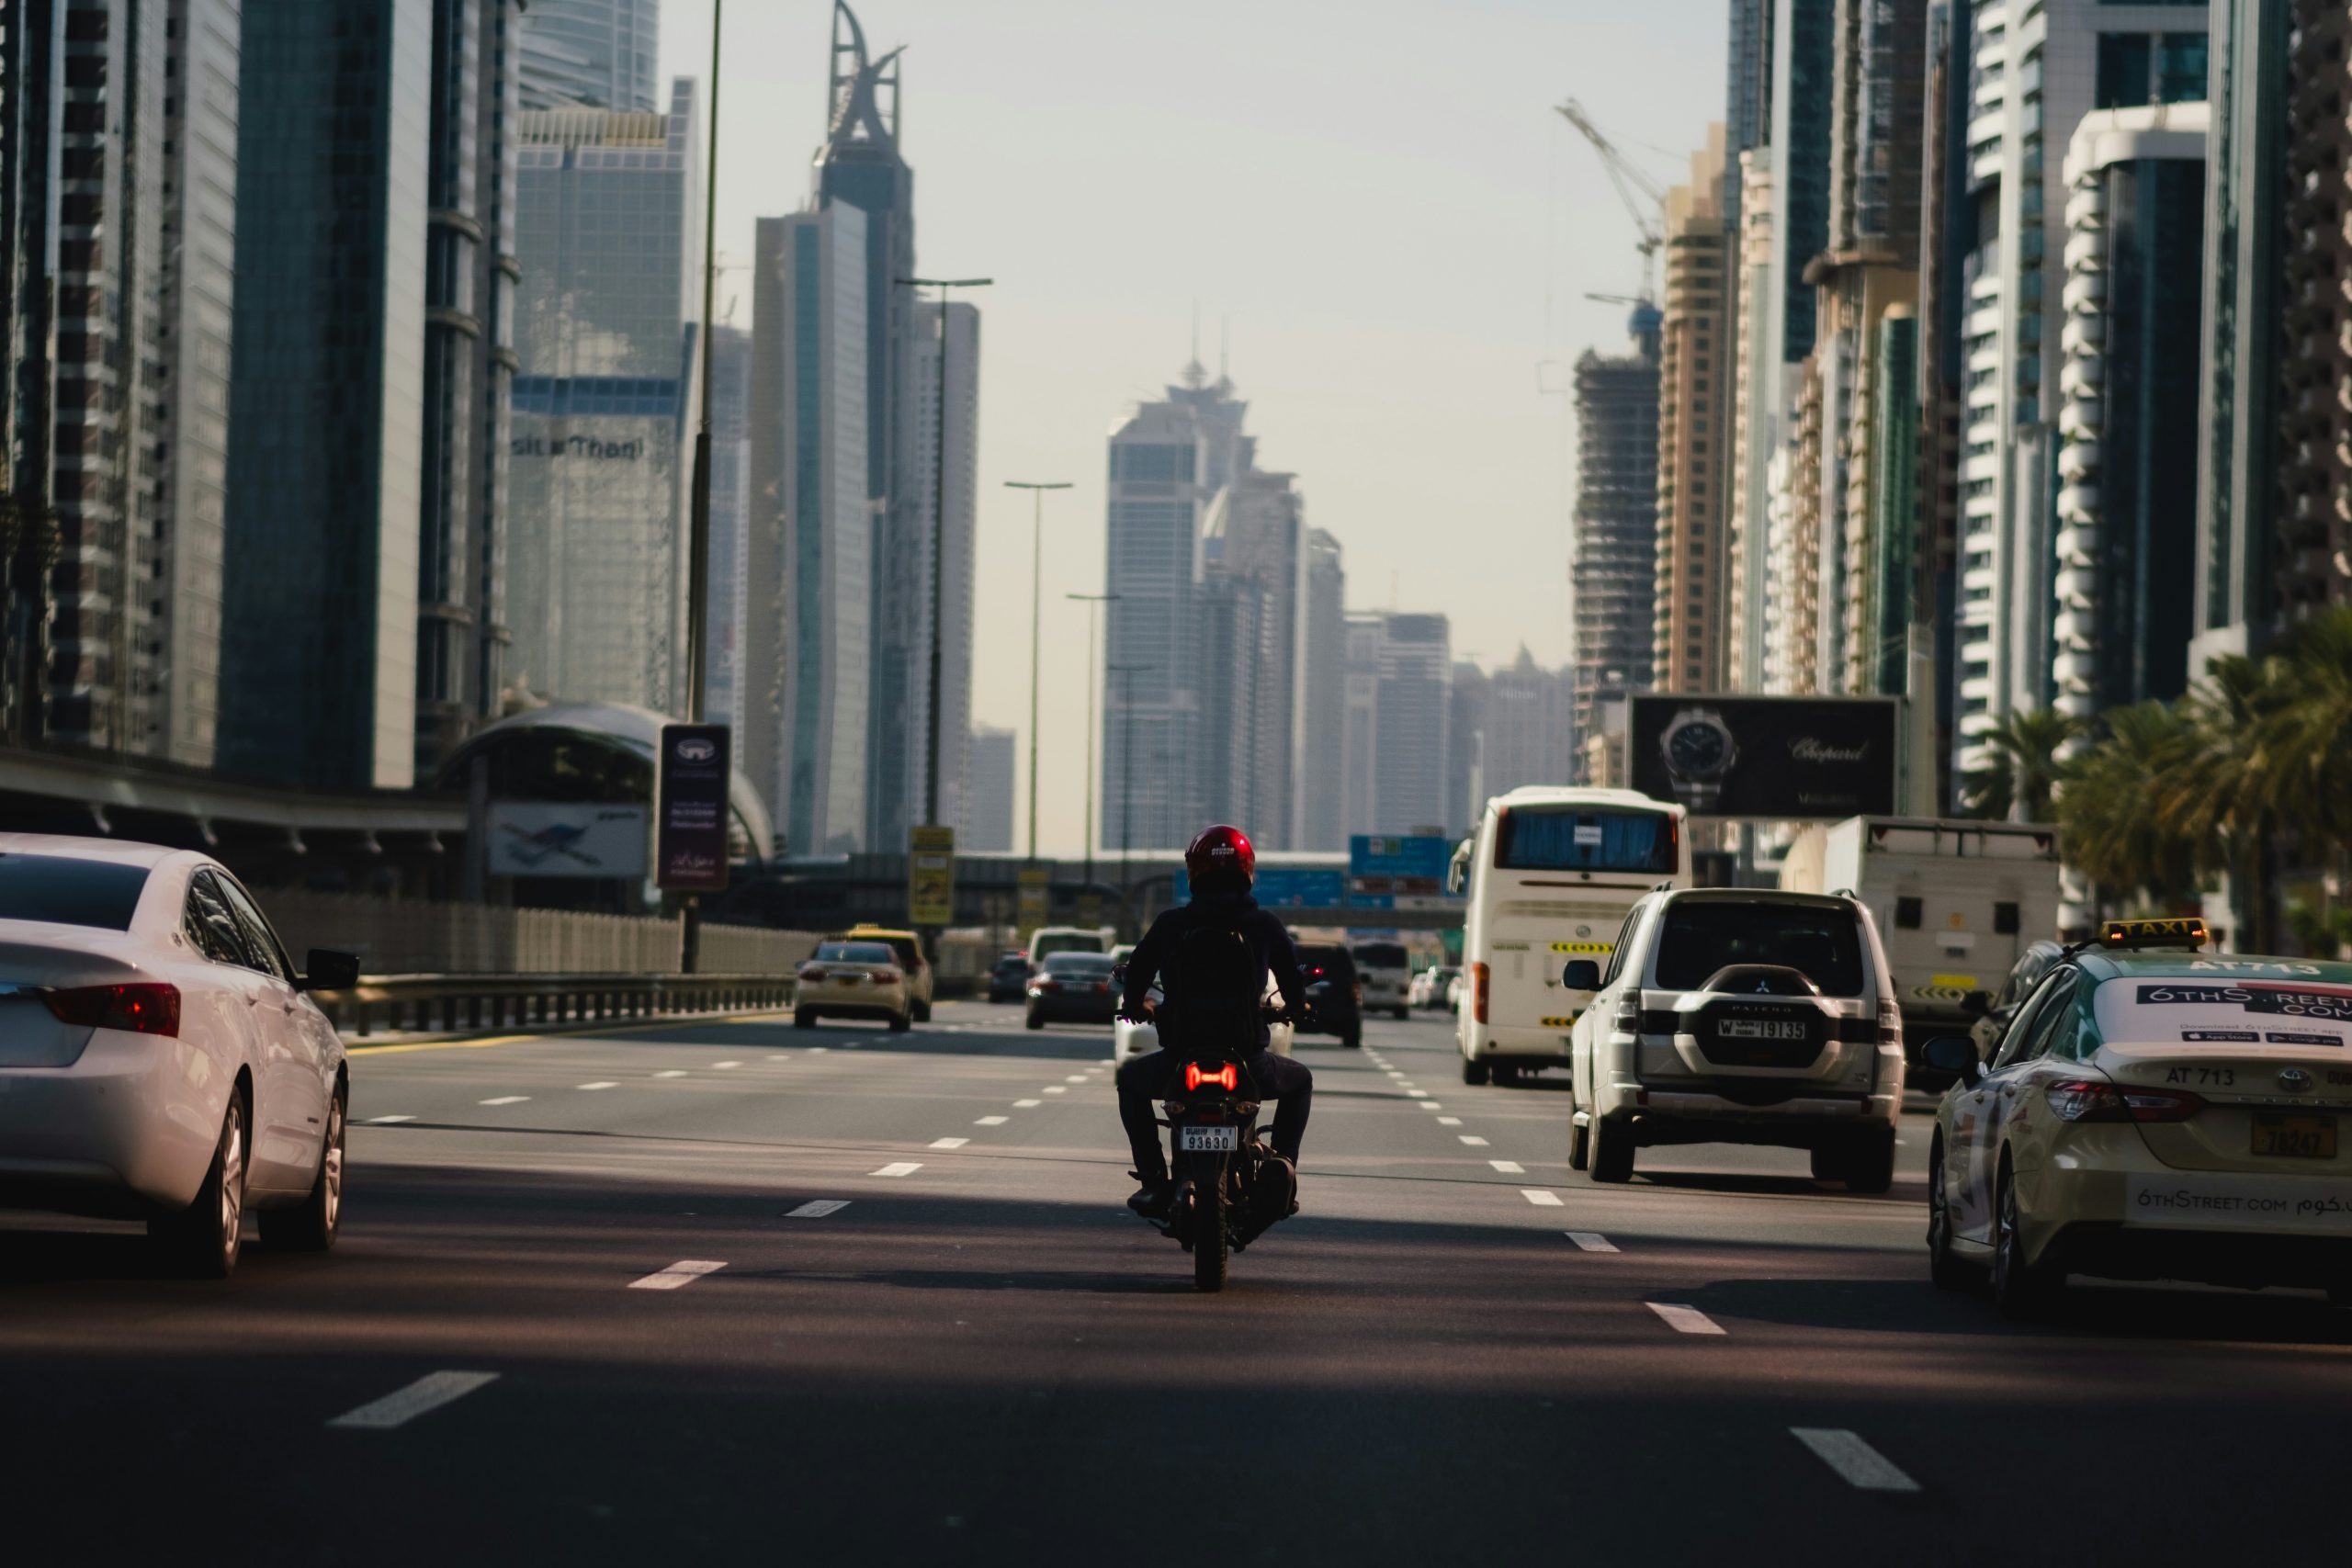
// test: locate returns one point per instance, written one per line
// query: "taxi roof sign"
(2182, 930)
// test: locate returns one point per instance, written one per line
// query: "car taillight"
(812, 972)
(142, 1008)
(1226, 1076)
(884, 976)
(1890, 1023)
(1101, 985)
(1049, 985)
(1629, 1013)
(1478, 993)
(2086, 1102)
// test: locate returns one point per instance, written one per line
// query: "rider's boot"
(1151, 1196)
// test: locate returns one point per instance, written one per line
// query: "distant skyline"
(1374, 208)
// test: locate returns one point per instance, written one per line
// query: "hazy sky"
(1373, 195)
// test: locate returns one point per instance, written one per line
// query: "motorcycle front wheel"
(1208, 1233)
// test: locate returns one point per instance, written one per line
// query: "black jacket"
(1268, 938)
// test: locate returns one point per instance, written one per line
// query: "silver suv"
(1740, 1016)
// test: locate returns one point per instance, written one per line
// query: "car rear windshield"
(1823, 941)
(68, 892)
(908, 951)
(2251, 1005)
(1082, 962)
(1565, 839)
(1066, 941)
(1381, 954)
(855, 952)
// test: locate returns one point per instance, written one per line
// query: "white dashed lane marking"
(1475, 1141)
(507, 1099)
(1429, 1105)
(678, 1274)
(1539, 1197)
(388, 1120)
(430, 1392)
(1863, 1467)
(1589, 1241)
(949, 1143)
(673, 1073)
(1685, 1319)
(604, 1084)
(992, 1121)
(1075, 1078)
(817, 1209)
(1027, 1104)
(897, 1167)
(1417, 1094)
(1509, 1166)
(1447, 1120)
(723, 1065)
(780, 1056)
(1055, 1089)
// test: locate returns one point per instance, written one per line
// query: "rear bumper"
(1520, 1044)
(1075, 1012)
(130, 1129)
(842, 1002)
(2108, 1207)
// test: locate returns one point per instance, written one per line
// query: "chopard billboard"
(1774, 758)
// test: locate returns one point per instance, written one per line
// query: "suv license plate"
(1759, 1029)
(1209, 1140)
(2299, 1137)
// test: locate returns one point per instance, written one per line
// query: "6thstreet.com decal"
(2291, 1002)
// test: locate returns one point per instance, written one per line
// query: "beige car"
(846, 978)
(908, 945)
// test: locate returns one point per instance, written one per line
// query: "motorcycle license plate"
(1209, 1140)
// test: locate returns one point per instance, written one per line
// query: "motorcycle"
(1228, 1187)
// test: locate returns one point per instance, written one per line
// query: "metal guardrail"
(453, 1004)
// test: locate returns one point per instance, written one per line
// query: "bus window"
(1639, 842)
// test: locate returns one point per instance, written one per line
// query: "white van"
(1551, 876)
(1383, 970)
(1047, 940)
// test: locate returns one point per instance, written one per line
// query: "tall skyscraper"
(594, 53)
(318, 665)
(1694, 387)
(985, 824)
(811, 335)
(2314, 530)
(469, 357)
(1256, 541)
(1322, 725)
(1527, 737)
(1614, 569)
(727, 631)
(1466, 757)
(1754, 429)
(960, 482)
(1360, 725)
(1747, 97)
(609, 241)
(2126, 515)
(1416, 682)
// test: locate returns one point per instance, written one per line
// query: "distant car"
(908, 945)
(1383, 971)
(1073, 988)
(160, 1056)
(853, 980)
(1130, 1039)
(2151, 1115)
(1009, 978)
(1334, 999)
(1431, 988)
(1047, 940)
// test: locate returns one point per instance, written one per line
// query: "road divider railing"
(457, 1004)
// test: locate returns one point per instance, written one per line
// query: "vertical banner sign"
(690, 817)
(930, 876)
(1033, 891)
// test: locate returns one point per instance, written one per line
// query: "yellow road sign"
(930, 876)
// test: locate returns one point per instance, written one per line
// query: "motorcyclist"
(1221, 865)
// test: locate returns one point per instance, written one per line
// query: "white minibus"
(1550, 875)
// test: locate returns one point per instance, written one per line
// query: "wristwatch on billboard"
(1699, 751)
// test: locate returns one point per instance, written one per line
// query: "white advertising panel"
(542, 839)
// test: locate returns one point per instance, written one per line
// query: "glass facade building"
(599, 53)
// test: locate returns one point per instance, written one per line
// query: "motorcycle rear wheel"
(1209, 1234)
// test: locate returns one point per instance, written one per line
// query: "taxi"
(2154, 1112)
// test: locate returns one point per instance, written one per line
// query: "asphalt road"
(732, 1292)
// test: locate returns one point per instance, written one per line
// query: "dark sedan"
(1073, 988)
(1009, 980)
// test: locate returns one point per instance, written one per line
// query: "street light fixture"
(699, 515)
(1091, 600)
(1036, 596)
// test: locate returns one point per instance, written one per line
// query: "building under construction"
(1613, 569)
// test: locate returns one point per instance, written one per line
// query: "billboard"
(690, 808)
(1768, 759)
(1285, 887)
(530, 838)
(930, 876)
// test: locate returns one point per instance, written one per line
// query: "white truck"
(1956, 903)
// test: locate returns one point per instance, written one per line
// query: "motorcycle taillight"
(1227, 1077)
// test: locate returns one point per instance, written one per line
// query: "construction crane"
(1644, 197)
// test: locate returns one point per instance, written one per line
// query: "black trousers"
(1141, 1080)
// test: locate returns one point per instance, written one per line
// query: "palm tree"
(2023, 781)
(2115, 832)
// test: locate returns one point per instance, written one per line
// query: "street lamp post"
(698, 517)
(1126, 782)
(1037, 594)
(938, 537)
(1091, 600)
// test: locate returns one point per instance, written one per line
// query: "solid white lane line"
(673, 1073)
(1684, 1319)
(1590, 1241)
(1027, 1104)
(1448, 1120)
(678, 1274)
(1475, 1141)
(897, 1167)
(606, 1083)
(1539, 1197)
(724, 1065)
(949, 1143)
(992, 1121)
(1864, 1468)
(1055, 1089)
(817, 1209)
(1507, 1167)
(507, 1099)
(430, 1392)
(388, 1120)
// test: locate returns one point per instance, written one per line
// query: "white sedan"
(159, 1057)
(1130, 1040)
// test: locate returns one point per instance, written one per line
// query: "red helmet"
(1221, 860)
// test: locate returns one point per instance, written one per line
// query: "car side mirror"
(1976, 1004)
(1954, 1053)
(324, 969)
(1581, 974)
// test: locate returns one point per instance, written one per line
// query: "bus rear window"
(1640, 842)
